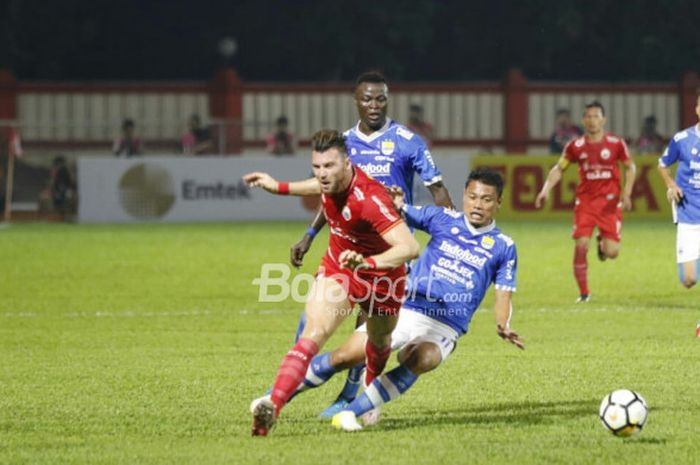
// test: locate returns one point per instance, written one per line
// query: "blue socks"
(387, 387)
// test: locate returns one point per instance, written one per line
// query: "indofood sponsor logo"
(146, 191)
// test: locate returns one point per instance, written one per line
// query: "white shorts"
(687, 242)
(414, 327)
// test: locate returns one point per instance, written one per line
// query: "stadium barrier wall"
(176, 189)
(525, 176)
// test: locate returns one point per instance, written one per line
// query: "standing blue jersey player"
(684, 195)
(391, 154)
(466, 254)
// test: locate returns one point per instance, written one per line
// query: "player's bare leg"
(608, 248)
(581, 268)
(688, 273)
(326, 308)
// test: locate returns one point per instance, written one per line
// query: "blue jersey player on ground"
(391, 154)
(684, 194)
(466, 254)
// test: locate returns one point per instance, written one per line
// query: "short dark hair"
(371, 76)
(282, 120)
(127, 123)
(488, 176)
(327, 139)
(595, 104)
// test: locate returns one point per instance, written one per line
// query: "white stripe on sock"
(390, 387)
(373, 395)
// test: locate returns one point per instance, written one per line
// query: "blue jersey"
(451, 276)
(392, 155)
(684, 148)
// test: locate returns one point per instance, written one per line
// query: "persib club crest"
(346, 213)
(487, 242)
(605, 154)
(388, 147)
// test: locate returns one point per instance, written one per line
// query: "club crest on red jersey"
(605, 154)
(346, 213)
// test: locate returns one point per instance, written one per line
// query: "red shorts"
(377, 292)
(604, 213)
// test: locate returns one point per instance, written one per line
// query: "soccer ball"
(623, 412)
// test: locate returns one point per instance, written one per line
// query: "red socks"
(375, 359)
(292, 371)
(581, 269)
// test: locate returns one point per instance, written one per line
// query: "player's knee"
(688, 281)
(343, 358)
(612, 254)
(426, 357)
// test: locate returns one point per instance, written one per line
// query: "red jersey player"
(364, 264)
(598, 201)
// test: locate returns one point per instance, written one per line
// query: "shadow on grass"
(511, 413)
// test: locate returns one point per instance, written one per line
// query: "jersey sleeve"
(670, 155)
(569, 154)
(421, 217)
(624, 152)
(505, 279)
(379, 211)
(423, 163)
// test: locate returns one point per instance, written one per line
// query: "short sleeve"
(670, 155)
(421, 217)
(423, 163)
(507, 270)
(379, 211)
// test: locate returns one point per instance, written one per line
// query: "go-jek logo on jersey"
(373, 170)
(462, 254)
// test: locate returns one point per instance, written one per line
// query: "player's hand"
(298, 250)
(262, 180)
(627, 202)
(674, 194)
(352, 260)
(397, 196)
(540, 199)
(511, 336)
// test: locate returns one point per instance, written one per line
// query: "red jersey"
(598, 166)
(358, 217)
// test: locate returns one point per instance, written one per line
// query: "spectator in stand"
(197, 140)
(280, 141)
(128, 145)
(564, 132)
(650, 141)
(60, 190)
(417, 124)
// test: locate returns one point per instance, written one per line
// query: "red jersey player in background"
(598, 201)
(364, 264)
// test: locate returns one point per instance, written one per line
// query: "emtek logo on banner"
(146, 191)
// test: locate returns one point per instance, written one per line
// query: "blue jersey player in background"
(466, 254)
(684, 194)
(391, 154)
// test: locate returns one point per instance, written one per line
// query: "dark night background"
(334, 40)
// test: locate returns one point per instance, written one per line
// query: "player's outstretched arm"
(630, 174)
(553, 178)
(299, 249)
(441, 196)
(503, 308)
(673, 192)
(404, 247)
(309, 186)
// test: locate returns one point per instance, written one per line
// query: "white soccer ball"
(623, 412)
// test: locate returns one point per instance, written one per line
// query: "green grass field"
(145, 344)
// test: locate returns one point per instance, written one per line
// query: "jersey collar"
(482, 230)
(375, 134)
